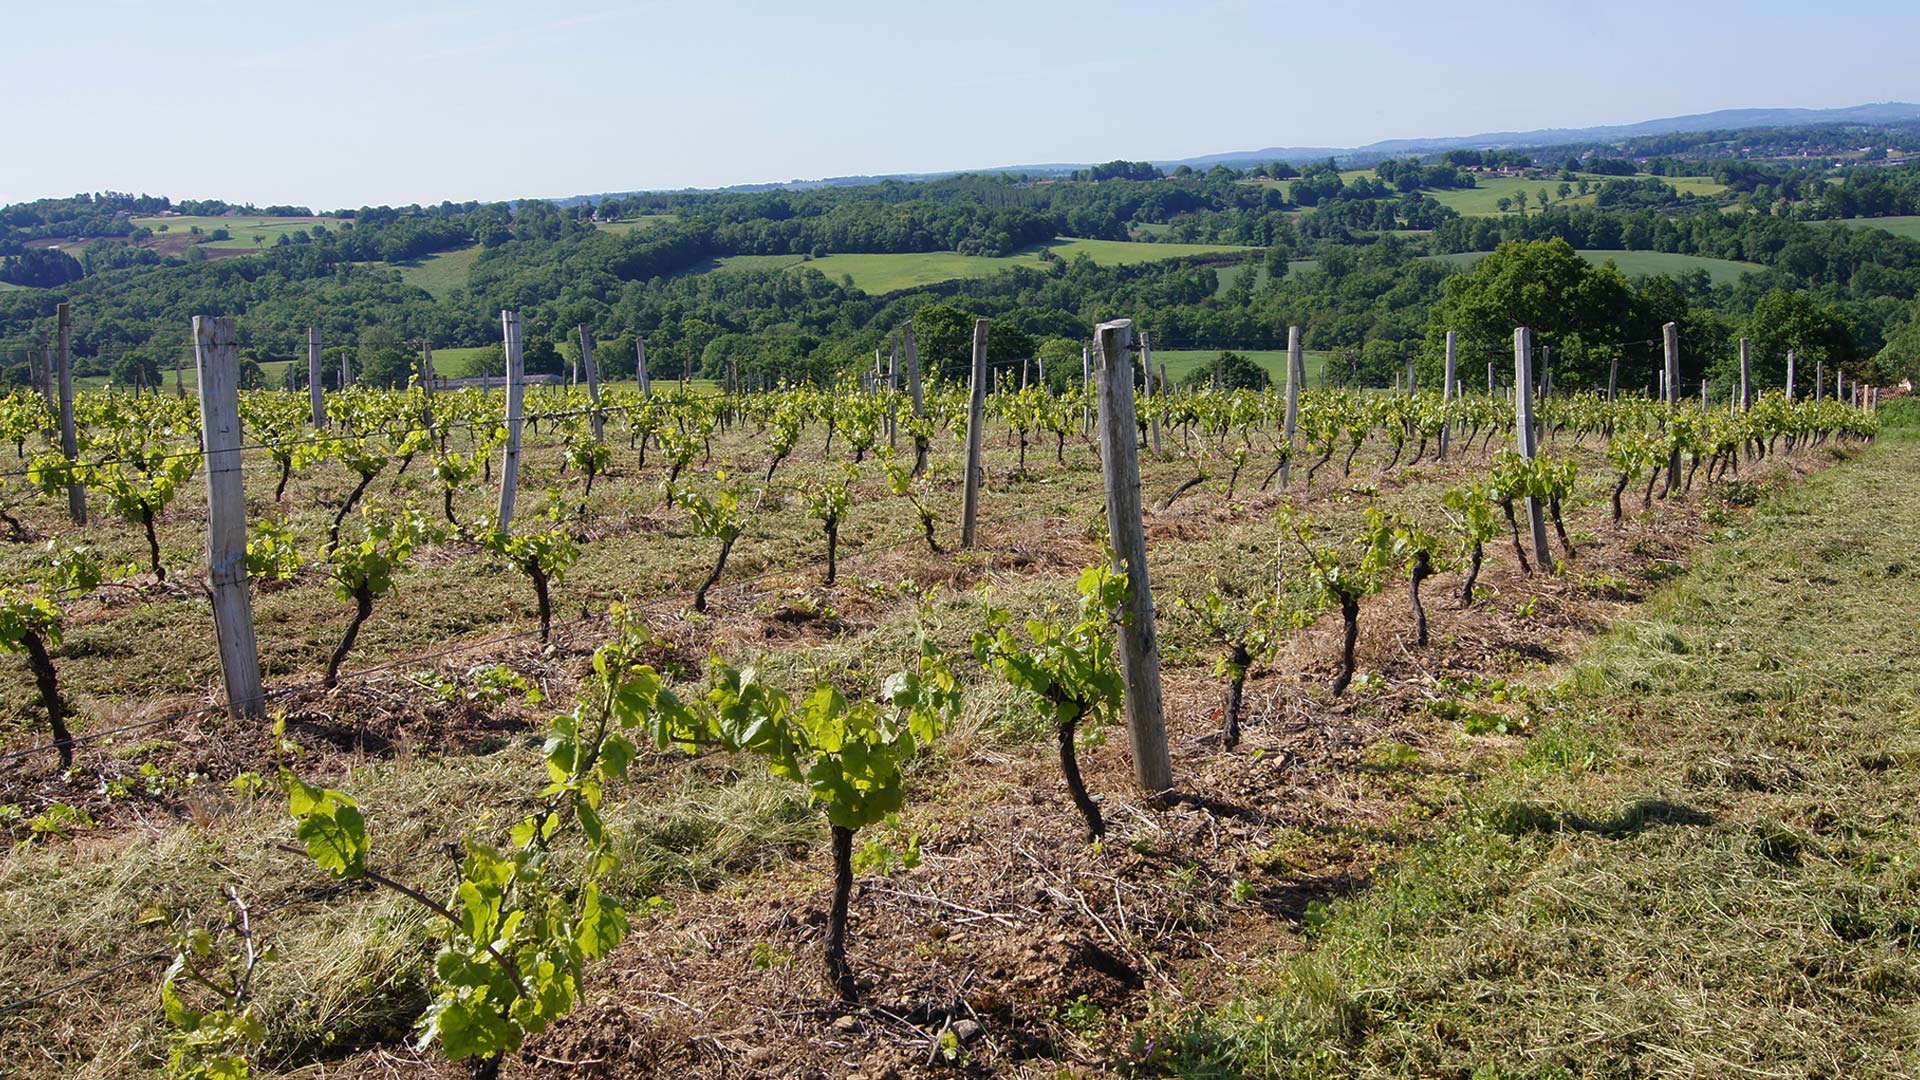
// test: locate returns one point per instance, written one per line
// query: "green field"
(1229, 274)
(627, 225)
(1181, 361)
(242, 229)
(441, 274)
(885, 273)
(1907, 226)
(452, 363)
(1484, 200)
(1642, 263)
(274, 370)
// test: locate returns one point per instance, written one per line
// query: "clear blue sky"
(355, 102)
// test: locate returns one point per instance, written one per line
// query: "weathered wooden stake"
(316, 384)
(1523, 428)
(1670, 389)
(426, 367)
(593, 382)
(913, 371)
(1789, 376)
(893, 394)
(1746, 375)
(510, 467)
(218, 363)
(1613, 376)
(1448, 391)
(1086, 390)
(69, 443)
(640, 366)
(976, 425)
(1146, 361)
(1296, 374)
(1138, 642)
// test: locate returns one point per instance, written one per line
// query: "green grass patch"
(441, 274)
(1640, 263)
(1181, 361)
(1483, 200)
(244, 230)
(1230, 274)
(1699, 862)
(885, 273)
(274, 370)
(634, 224)
(1907, 225)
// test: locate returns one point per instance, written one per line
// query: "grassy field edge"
(1702, 862)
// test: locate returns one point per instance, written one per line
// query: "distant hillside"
(1891, 112)
(1881, 114)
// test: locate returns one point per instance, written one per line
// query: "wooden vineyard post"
(893, 394)
(914, 386)
(510, 467)
(1296, 374)
(1789, 376)
(1410, 386)
(1139, 644)
(1746, 375)
(44, 387)
(1670, 341)
(316, 386)
(346, 370)
(1528, 439)
(1613, 376)
(1146, 363)
(218, 363)
(1219, 366)
(1489, 378)
(640, 366)
(976, 423)
(1086, 390)
(426, 367)
(1819, 378)
(1447, 389)
(593, 382)
(69, 443)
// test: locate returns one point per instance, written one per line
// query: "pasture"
(1642, 263)
(1484, 200)
(1181, 361)
(634, 224)
(245, 232)
(879, 274)
(1907, 226)
(441, 274)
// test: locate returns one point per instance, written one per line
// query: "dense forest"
(1355, 257)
